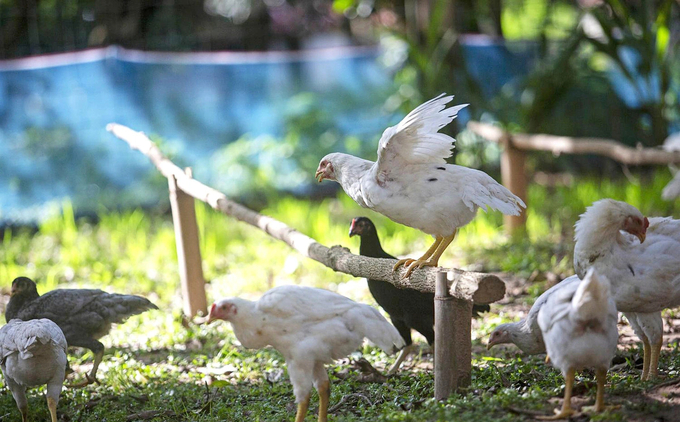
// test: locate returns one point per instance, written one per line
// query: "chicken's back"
(33, 352)
(88, 312)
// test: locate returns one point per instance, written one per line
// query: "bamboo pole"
(472, 286)
(188, 249)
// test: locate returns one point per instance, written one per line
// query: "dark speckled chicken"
(84, 315)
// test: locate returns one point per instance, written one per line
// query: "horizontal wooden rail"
(478, 287)
(567, 145)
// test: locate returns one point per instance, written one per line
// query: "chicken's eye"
(223, 307)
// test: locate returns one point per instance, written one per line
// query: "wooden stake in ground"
(452, 340)
(188, 249)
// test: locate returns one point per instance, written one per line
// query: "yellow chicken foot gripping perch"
(408, 261)
(566, 410)
(433, 260)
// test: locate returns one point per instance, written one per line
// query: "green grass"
(200, 373)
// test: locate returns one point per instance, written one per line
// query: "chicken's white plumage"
(309, 327)
(644, 276)
(33, 353)
(525, 333)
(672, 189)
(578, 324)
(412, 184)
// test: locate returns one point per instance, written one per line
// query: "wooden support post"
(188, 249)
(452, 340)
(513, 177)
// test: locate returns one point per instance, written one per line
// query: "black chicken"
(408, 308)
(84, 315)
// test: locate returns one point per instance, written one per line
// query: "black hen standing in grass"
(84, 315)
(408, 308)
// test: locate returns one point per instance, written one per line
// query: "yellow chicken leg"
(654, 353)
(52, 405)
(407, 261)
(566, 410)
(324, 396)
(24, 413)
(646, 355)
(599, 406)
(433, 259)
(303, 406)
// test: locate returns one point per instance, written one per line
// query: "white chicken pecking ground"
(639, 256)
(578, 323)
(525, 333)
(309, 327)
(412, 184)
(33, 353)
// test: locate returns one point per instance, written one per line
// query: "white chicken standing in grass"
(412, 184)
(33, 353)
(578, 323)
(640, 257)
(309, 327)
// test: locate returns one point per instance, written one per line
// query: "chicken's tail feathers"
(379, 331)
(591, 299)
(491, 194)
(121, 307)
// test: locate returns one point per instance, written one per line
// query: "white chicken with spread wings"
(578, 323)
(309, 327)
(33, 353)
(640, 257)
(412, 184)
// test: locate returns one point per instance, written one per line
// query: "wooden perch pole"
(188, 249)
(478, 287)
(567, 145)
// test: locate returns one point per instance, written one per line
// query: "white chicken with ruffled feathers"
(33, 353)
(309, 327)
(639, 256)
(412, 184)
(578, 324)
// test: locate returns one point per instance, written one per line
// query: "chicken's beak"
(211, 315)
(489, 345)
(642, 236)
(319, 175)
(352, 229)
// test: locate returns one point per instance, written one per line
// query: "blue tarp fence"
(54, 110)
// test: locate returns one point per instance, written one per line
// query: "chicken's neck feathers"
(18, 301)
(349, 170)
(370, 246)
